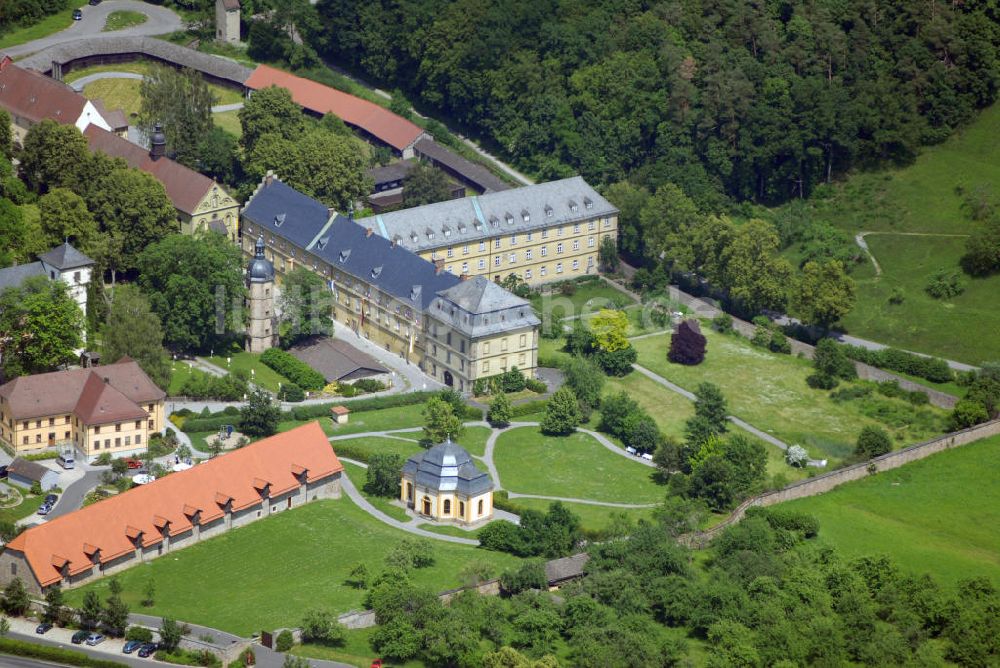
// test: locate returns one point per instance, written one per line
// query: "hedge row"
(360, 405)
(54, 654)
(529, 407)
(931, 368)
(213, 423)
(294, 369)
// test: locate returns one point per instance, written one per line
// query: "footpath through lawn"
(267, 574)
(938, 515)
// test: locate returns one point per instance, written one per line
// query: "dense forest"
(730, 100)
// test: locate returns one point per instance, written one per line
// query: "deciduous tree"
(270, 111)
(425, 185)
(687, 344)
(40, 326)
(54, 156)
(382, 475)
(562, 413)
(306, 307)
(182, 102)
(64, 216)
(260, 416)
(440, 421)
(822, 294)
(132, 329)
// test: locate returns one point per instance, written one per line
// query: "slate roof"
(377, 121)
(491, 308)
(170, 505)
(336, 359)
(66, 257)
(566, 568)
(478, 175)
(482, 217)
(220, 68)
(83, 392)
(34, 96)
(394, 171)
(344, 244)
(447, 467)
(13, 277)
(27, 469)
(185, 187)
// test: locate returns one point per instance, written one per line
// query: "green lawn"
(29, 504)
(669, 409)
(370, 445)
(358, 475)
(265, 575)
(474, 440)
(588, 297)
(135, 67)
(551, 353)
(229, 121)
(592, 518)
(769, 391)
(122, 19)
(116, 94)
(47, 26)
(938, 515)
(264, 375)
(449, 530)
(574, 466)
(400, 417)
(356, 651)
(926, 196)
(181, 372)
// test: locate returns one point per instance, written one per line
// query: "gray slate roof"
(490, 308)
(215, 66)
(27, 469)
(66, 257)
(478, 175)
(285, 212)
(337, 359)
(471, 219)
(13, 277)
(394, 171)
(447, 467)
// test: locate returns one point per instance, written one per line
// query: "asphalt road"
(159, 21)
(72, 497)
(124, 659)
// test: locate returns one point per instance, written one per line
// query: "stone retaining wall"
(827, 481)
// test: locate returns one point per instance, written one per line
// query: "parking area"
(109, 648)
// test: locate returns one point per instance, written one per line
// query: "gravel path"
(159, 21)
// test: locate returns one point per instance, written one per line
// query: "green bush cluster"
(54, 654)
(369, 385)
(230, 387)
(292, 393)
(184, 657)
(40, 456)
(293, 369)
(536, 385)
(930, 368)
(509, 381)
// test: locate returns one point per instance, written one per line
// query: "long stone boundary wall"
(827, 481)
(865, 372)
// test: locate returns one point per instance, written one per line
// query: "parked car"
(648, 456)
(95, 639)
(79, 637)
(133, 463)
(51, 499)
(66, 460)
(147, 650)
(77, 15)
(44, 627)
(377, 663)
(94, 3)
(131, 645)
(3, 471)
(44, 509)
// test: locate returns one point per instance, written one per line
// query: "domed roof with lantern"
(260, 269)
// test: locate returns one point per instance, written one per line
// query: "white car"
(629, 449)
(647, 456)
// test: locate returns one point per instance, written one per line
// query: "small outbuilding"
(339, 414)
(25, 473)
(443, 484)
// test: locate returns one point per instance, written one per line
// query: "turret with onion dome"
(261, 329)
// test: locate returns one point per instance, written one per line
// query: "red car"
(377, 663)
(133, 463)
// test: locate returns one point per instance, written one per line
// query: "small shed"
(339, 414)
(24, 473)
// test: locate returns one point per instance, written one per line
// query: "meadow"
(938, 515)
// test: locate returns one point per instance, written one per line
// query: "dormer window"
(509, 218)
(525, 216)
(479, 226)
(414, 294)
(429, 232)
(279, 219)
(494, 221)
(344, 254)
(588, 203)
(414, 237)
(573, 206)
(321, 244)
(461, 228)
(376, 271)
(548, 211)
(446, 231)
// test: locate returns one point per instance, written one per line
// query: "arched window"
(427, 505)
(480, 510)
(447, 506)
(461, 508)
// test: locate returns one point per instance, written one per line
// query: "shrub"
(723, 323)
(536, 385)
(500, 413)
(788, 520)
(779, 343)
(140, 633)
(761, 337)
(562, 414)
(229, 387)
(893, 359)
(284, 641)
(617, 362)
(873, 442)
(687, 344)
(529, 576)
(945, 285)
(513, 380)
(292, 393)
(821, 381)
(293, 369)
(481, 387)
(968, 413)
(830, 359)
(369, 385)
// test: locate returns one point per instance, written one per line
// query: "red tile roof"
(109, 390)
(109, 528)
(377, 121)
(35, 96)
(185, 187)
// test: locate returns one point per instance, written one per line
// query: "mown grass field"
(29, 504)
(588, 297)
(182, 372)
(927, 196)
(938, 515)
(370, 445)
(769, 391)
(358, 475)
(267, 574)
(400, 417)
(263, 375)
(574, 466)
(474, 440)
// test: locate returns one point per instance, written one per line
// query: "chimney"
(463, 277)
(157, 143)
(438, 264)
(368, 231)
(269, 177)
